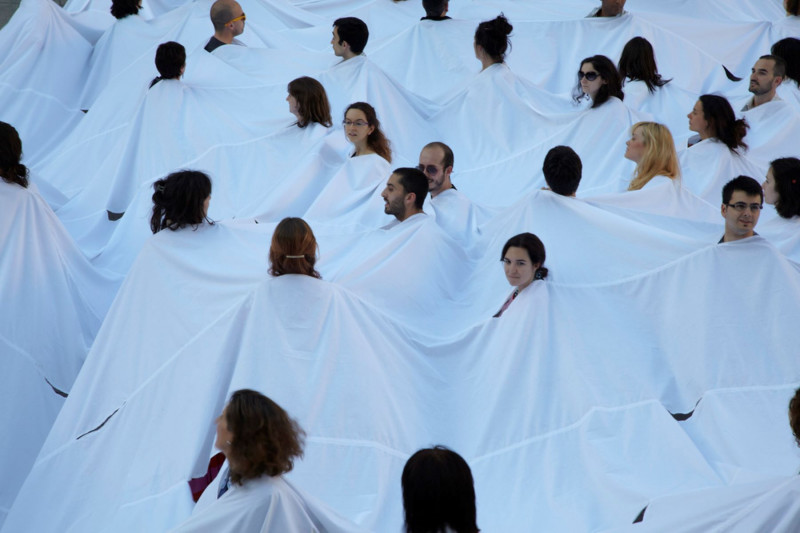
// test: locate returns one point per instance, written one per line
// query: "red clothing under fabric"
(199, 484)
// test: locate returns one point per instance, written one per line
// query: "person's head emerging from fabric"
(349, 37)
(179, 200)
(293, 249)
(308, 102)
(404, 194)
(11, 168)
(436, 162)
(742, 200)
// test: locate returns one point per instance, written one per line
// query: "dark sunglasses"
(590, 76)
(432, 170)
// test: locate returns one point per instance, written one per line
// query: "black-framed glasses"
(429, 169)
(741, 206)
(590, 76)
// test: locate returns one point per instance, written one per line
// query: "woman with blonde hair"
(293, 249)
(652, 148)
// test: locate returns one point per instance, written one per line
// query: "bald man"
(228, 19)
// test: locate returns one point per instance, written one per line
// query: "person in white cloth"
(742, 201)
(260, 442)
(766, 75)
(523, 262)
(404, 194)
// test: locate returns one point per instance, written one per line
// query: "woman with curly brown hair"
(293, 249)
(260, 442)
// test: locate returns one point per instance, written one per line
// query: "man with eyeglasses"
(742, 200)
(228, 20)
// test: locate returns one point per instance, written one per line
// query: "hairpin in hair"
(295, 257)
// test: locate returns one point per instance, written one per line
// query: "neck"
(363, 149)
(347, 54)
(487, 62)
(763, 98)
(730, 236)
(410, 212)
(223, 36)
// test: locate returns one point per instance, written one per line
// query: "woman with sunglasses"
(598, 80)
(363, 130)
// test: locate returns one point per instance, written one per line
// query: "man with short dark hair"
(350, 36)
(609, 8)
(562, 170)
(436, 162)
(404, 194)
(742, 200)
(228, 20)
(435, 9)
(767, 74)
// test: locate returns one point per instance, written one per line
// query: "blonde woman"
(652, 149)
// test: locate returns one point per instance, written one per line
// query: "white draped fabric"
(650, 369)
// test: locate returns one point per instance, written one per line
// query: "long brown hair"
(293, 249)
(376, 140)
(312, 101)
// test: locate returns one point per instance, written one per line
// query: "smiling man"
(742, 200)
(404, 194)
(436, 162)
(767, 74)
(350, 36)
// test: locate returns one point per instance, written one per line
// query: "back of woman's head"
(606, 69)
(722, 122)
(792, 7)
(312, 101)
(265, 439)
(492, 36)
(438, 493)
(659, 158)
(638, 62)
(376, 140)
(170, 61)
(535, 248)
(11, 169)
(789, 50)
(179, 200)
(293, 249)
(122, 8)
(786, 174)
(794, 415)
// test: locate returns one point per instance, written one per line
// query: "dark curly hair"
(122, 8)
(722, 122)
(786, 173)
(265, 439)
(492, 36)
(11, 170)
(293, 249)
(178, 200)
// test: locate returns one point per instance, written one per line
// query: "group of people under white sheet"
(407, 242)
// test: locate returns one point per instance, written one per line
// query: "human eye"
(505, 261)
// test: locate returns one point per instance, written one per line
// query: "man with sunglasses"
(436, 162)
(742, 200)
(228, 20)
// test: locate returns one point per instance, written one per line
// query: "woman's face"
(356, 127)
(591, 86)
(293, 106)
(635, 146)
(224, 436)
(697, 121)
(770, 193)
(518, 267)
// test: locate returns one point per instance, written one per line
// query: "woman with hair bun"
(308, 102)
(712, 118)
(179, 200)
(491, 41)
(293, 249)
(523, 262)
(11, 168)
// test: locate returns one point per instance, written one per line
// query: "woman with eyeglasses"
(363, 130)
(523, 262)
(652, 149)
(598, 80)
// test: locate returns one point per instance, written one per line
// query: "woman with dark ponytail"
(170, 61)
(491, 41)
(713, 118)
(11, 170)
(122, 8)
(181, 199)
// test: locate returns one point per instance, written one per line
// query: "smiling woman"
(523, 262)
(363, 129)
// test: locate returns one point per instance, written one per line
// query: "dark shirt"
(213, 44)
(436, 18)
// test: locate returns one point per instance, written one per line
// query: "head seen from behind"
(713, 117)
(11, 169)
(435, 8)
(436, 162)
(611, 8)
(181, 199)
(404, 194)
(742, 200)
(363, 129)
(638, 62)
(438, 493)
(491, 40)
(523, 260)
(599, 80)
(782, 186)
(257, 437)
(228, 19)
(350, 36)
(308, 102)
(792, 7)
(170, 61)
(293, 249)
(122, 8)
(652, 148)
(794, 416)
(562, 170)
(789, 50)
